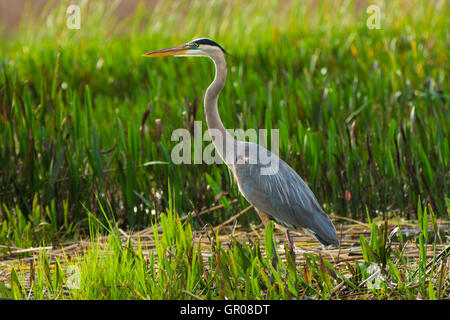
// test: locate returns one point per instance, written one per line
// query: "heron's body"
(285, 198)
(279, 193)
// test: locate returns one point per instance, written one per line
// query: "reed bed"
(401, 267)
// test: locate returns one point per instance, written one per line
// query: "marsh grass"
(362, 113)
(171, 261)
(85, 131)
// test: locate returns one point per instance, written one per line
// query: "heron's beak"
(172, 51)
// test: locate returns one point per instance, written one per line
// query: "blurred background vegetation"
(86, 120)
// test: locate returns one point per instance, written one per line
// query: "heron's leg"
(265, 219)
(291, 246)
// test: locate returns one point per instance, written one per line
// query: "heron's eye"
(195, 45)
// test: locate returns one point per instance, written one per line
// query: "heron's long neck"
(222, 140)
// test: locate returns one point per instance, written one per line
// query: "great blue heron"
(279, 194)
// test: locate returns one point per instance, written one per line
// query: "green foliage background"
(362, 113)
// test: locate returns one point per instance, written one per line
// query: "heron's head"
(196, 48)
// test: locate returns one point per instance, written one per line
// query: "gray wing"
(274, 188)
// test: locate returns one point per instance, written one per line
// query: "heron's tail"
(324, 230)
